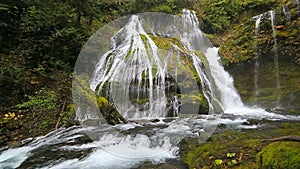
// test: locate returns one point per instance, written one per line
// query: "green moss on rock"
(239, 149)
(88, 98)
(166, 44)
(279, 155)
(241, 44)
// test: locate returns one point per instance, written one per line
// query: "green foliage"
(218, 161)
(50, 37)
(137, 6)
(221, 14)
(230, 155)
(42, 101)
(68, 115)
(4, 7)
(14, 78)
(162, 8)
(239, 44)
(36, 41)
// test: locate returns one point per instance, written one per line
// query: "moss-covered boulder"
(109, 112)
(279, 155)
(245, 149)
(88, 101)
(230, 149)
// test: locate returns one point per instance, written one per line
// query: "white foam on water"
(12, 158)
(107, 161)
(127, 126)
(121, 153)
(115, 148)
(259, 113)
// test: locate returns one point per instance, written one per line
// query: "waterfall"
(272, 19)
(271, 15)
(126, 63)
(257, 23)
(256, 65)
(275, 57)
(229, 95)
(135, 64)
(149, 65)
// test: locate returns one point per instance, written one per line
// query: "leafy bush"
(162, 8)
(41, 101)
(220, 14)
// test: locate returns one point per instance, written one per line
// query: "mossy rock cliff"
(243, 43)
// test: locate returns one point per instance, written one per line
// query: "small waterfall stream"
(257, 19)
(276, 63)
(135, 66)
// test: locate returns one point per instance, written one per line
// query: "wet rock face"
(264, 58)
(244, 43)
(139, 95)
(279, 155)
(265, 94)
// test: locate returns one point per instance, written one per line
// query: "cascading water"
(144, 77)
(276, 64)
(256, 65)
(122, 72)
(272, 19)
(137, 65)
(258, 19)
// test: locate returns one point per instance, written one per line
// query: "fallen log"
(284, 138)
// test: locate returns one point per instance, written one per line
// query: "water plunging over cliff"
(276, 64)
(137, 70)
(256, 65)
(148, 67)
(270, 15)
